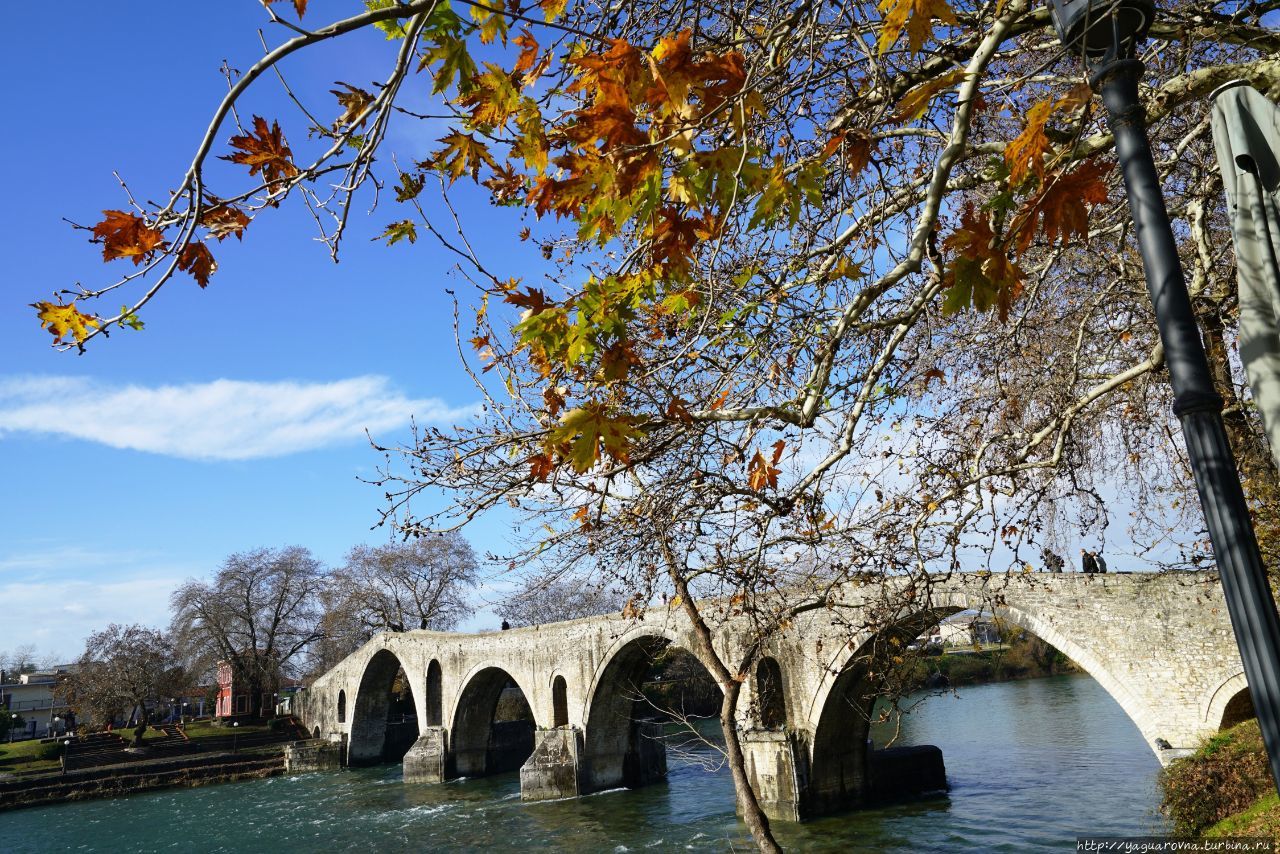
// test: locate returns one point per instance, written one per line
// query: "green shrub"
(52, 750)
(1224, 777)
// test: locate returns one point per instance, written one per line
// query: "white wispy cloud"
(219, 420)
(56, 616)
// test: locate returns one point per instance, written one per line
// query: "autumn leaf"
(1061, 207)
(264, 151)
(916, 16)
(125, 235)
(982, 274)
(462, 153)
(299, 6)
(916, 101)
(197, 260)
(493, 22)
(353, 101)
(552, 9)
(678, 410)
(762, 472)
(224, 221)
(391, 27)
(61, 319)
(541, 467)
(455, 64)
(397, 231)
(493, 97)
(410, 186)
(585, 432)
(1025, 153)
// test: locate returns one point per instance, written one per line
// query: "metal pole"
(1198, 405)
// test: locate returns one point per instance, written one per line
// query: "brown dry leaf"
(197, 260)
(126, 235)
(264, 151)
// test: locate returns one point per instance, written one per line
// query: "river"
(1030, 764)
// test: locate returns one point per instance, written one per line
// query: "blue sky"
(235, 420)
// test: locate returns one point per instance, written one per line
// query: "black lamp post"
(1106, 33)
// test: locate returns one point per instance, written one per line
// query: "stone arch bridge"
(1161, 645)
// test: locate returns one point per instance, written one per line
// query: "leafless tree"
(259, 614)
(422, 583)
(543, 600)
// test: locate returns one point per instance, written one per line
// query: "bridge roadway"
(1161, 645)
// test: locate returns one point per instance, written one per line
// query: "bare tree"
(25, 658)
(421, 583)
(259, 614)
(123, 668)
(551, 600)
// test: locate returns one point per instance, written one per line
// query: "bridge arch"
(619, 749)
(1229, 704)
(948, 603)
(369, 729)
(479, 743)
(841, 709)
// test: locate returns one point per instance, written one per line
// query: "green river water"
(1030, 765)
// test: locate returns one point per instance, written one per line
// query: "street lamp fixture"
(1106, 33)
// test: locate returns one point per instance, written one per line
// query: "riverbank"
(1224, 788)
(1023, 656)
(109, 781)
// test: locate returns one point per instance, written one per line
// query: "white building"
(30, 696)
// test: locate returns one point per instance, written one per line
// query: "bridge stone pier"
(1160, 645)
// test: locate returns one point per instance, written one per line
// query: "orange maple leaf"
(264, 151)
(1061, 207)
(197, 260)
(125, 235)
(762, 472)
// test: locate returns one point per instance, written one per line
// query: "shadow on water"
(1031, 764)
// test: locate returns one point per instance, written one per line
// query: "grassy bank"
(1024, 656)
(1224, 789)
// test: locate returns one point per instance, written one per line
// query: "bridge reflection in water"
(1160, 645)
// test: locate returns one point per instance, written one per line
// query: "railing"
(33, 705)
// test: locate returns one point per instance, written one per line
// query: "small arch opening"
(559, 702)
(435, 694)
(770, 701)
(342, 707)
(1238, 709)
(315, 733)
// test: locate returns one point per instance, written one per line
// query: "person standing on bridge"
(1100, 563)
(1087, 562)
(1052, 561)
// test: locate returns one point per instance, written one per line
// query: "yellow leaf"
(552, 9)
(62, 319)
(462, 153)
(916, 16)
(916, 101)
(584, 432)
